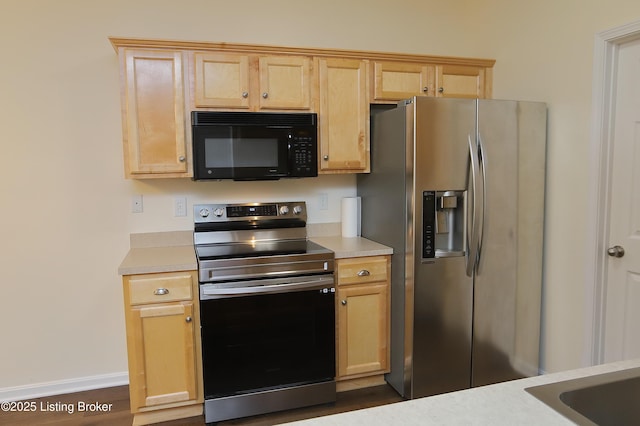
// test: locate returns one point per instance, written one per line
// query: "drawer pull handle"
(364, 273)
(161, 291)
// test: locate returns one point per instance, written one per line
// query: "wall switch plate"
(180, 206)
(136, 203)
(323, 201)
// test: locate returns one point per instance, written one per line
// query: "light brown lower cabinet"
(163, 344)
(164, 348)
(363, 321)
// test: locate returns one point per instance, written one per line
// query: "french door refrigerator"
(457, 189)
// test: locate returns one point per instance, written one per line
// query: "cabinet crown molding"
(118, 42)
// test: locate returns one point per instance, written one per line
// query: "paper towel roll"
(350, 217)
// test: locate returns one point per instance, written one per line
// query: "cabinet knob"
(161, 291)
(265, 95)
(364, 273)
(245, 94)
(425, 89)
(325, 158)
(344, 302)
(188, 319)
(181, 158)
(441, 90)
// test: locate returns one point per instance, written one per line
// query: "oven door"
(240, 152)
(267, 334)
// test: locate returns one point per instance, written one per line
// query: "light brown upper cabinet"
(460, 81)
(153, 113)
(162, 81)
(251, 82)
(343, 115)
(394, 81)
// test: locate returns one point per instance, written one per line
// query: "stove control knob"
(218, 212)
(204, 212)
(284, 210)
(297, 210)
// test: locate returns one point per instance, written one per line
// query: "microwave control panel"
(303, 156)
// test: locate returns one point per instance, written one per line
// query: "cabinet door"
(285, 82)
(363, 330)
(459, 81)
(394, 81)
(344, 116)
(221, 80)
(162, 355)
(154, 114)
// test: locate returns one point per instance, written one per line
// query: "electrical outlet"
(180, 206)
(136, 203)
(323, 201)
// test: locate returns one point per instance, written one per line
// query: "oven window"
(241, 152)
(267, 341)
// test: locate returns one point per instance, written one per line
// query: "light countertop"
(496, 405)
(352, 247)
(173, 251)
(147, 260)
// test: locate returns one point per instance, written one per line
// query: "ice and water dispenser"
(443, 224)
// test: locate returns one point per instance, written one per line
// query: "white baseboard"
(58, 387)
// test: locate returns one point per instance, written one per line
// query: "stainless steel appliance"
(267, 307)
(457, 189)
(254, 145)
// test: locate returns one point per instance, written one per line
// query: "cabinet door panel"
(397, 80)
(221, 80)
(154, 113)
(285, 82)
(362, 329)
(344, 116)
(457, 81)
(163, 373)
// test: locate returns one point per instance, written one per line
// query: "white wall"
(66, 218)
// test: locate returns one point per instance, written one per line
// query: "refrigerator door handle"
(482, 203)
(472, 241)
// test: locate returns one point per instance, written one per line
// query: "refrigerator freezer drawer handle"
(472, 235)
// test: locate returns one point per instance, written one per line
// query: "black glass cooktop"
(257, 249)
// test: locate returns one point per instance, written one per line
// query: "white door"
(622, 312)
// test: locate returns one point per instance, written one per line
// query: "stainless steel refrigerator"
(457, 189)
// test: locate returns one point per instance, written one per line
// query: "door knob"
(615, 251)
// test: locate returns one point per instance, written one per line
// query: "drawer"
(160, 288)
(362, 270)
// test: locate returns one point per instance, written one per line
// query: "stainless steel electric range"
(267, 304)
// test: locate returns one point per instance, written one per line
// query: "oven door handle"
(283, 287)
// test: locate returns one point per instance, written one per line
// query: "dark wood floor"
(56, 410)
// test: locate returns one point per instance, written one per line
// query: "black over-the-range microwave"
(254, 145)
